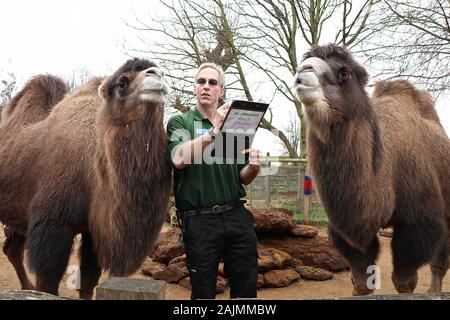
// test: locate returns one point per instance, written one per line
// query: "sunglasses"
(211, 82)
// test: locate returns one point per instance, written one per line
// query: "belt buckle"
(214, 209)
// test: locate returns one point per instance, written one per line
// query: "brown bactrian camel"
(96, 163)
(378, 162)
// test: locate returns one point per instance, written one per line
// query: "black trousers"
(230, 236)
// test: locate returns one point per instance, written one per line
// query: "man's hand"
(250, 171)
(254, 158)
(220, 115)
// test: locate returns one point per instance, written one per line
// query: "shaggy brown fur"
(377, 163)
(96, 165)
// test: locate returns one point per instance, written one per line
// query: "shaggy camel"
(95, 164)
(377, 162)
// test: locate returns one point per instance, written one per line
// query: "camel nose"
(154, 71)
(298, 80)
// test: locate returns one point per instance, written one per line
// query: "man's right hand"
(220, 115)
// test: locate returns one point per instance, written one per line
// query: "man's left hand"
(254, 158)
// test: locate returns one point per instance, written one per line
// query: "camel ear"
(102, 90)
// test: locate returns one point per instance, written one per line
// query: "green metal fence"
(280, 185)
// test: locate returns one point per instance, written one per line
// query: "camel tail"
(35, 101)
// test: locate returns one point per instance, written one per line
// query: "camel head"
(330, 84)
(137, 85)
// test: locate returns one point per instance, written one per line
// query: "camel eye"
(343, 74)
(123, 86)
(123, 83)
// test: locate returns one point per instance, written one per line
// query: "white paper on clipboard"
(242, 121)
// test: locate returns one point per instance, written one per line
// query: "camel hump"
(35, 100)
(423, 102)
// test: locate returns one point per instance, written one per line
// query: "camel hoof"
(86, 296)
(405, 284)
(360, 289)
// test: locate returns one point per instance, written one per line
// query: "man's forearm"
(186, 153)
(248, 174)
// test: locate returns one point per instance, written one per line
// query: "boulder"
(149, 267)
(272, 222)
(280, 278)
(178, 259)
(173, 273)
(303, 230)
(221, 284)
(315, 252)
(168, 246)
(221, 270)
(312, 273)
(185, 283)
(260, 282)
(271, 258)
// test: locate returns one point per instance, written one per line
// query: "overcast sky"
(62, 36)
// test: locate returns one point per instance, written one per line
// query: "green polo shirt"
(201, 185)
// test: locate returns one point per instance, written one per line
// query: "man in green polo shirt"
(207, 192)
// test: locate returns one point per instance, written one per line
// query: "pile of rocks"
(287, 252)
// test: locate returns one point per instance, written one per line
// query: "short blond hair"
(214, 66)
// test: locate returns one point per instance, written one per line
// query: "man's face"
(207, 88)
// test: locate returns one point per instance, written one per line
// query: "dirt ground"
(339, 286)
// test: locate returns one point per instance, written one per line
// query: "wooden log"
(131, 289)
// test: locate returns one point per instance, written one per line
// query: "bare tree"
(7, 88)
(257, 42)
(277, 30)
(414, 44)
(77, 77)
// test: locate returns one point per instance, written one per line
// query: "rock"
(265, 263)
(295, 263)
(185, 283)
(271, 258)
(286, 211)
(221, 270)
(260, 282)
(168, 246)
(315, 252)
(179, 259)
(280, 278)
(171, 212)
(312, 273)
(149, 267)
(272, 222)
(303, 230)
(221, 284)
(173, 273)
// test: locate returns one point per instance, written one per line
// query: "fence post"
(307, 200)
(267, 189)
(301, 175)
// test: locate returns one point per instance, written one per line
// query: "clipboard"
(238, 129)
(244, 116)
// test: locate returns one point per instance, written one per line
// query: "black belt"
(215, 209)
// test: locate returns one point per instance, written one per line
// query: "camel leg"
(90, 268)
(359, 261)
(439, 266)
(13, 249)
(49, 246)
(414, 245)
